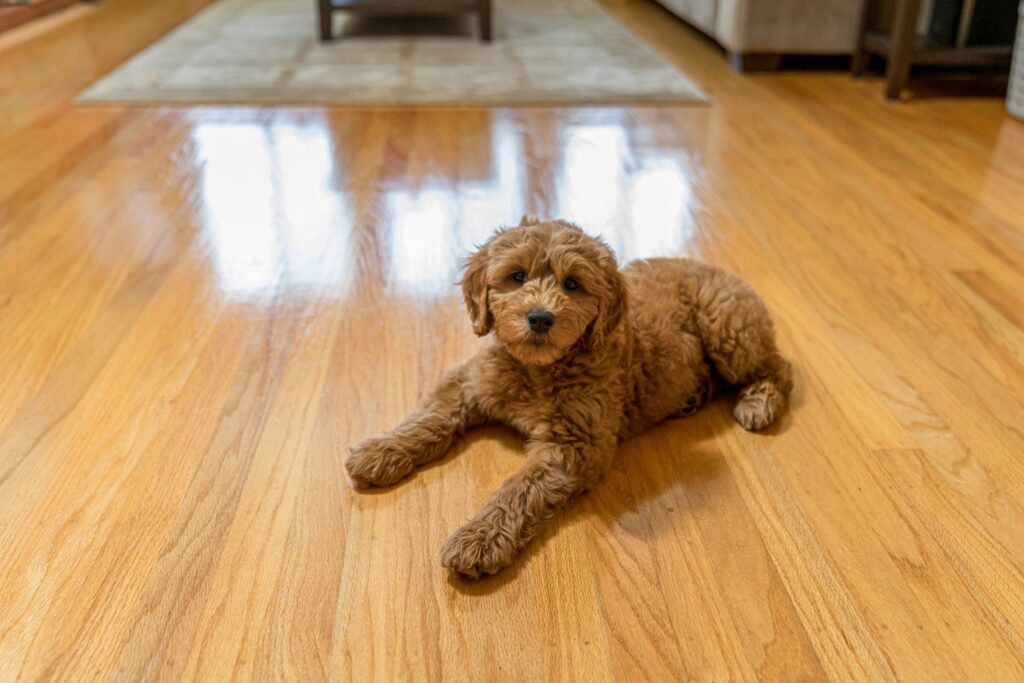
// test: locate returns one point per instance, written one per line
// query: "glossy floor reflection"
(278, 217)
(273, 214)
(200, 308)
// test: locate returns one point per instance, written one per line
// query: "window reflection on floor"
(277, 220)
(433, 228)
(422, 241)
(272, 217)
(499, 200)
(661, 223)
(590, 189)
(642, 205)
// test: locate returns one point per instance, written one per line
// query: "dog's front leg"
(425, 435)
(552, 474)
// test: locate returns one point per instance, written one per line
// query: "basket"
(1015, 94)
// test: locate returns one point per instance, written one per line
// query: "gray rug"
(267, 52)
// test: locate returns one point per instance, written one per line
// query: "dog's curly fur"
(627, 349)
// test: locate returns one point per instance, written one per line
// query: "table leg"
(901, 47)
(484, 10)
(325, 19)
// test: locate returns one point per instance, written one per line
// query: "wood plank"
(12, 17)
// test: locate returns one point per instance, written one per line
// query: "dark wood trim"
(746, 62)
(929, 54)
(401, 7)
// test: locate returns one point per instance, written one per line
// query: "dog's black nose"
(540, 320)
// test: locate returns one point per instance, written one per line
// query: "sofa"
(756, 33)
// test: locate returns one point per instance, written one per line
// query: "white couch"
(757, 32)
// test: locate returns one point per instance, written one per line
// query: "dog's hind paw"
(378, 462)
(477, 548)
(696, 400)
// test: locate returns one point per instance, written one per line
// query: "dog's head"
(545, 289)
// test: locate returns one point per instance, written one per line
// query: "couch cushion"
(699, 13)
(788, 26)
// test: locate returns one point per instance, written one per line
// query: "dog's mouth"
(530, 347)
(536, 349)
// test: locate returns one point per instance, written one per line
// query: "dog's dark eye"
(570, 283)
(519, 276)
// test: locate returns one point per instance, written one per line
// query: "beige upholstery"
(774, 26)
(699, 13)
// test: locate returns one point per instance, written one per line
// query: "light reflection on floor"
(589, 190)
(640, 204)
(273, 217)
(277, 218)
(661, 200)
(422, 241)
(433, 228)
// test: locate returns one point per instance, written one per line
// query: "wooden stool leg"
(484, 10)
(901, 48)
(325, 19)
(860, 55)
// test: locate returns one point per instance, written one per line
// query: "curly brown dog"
(582, 356)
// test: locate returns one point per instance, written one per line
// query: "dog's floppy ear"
(612, 306)
(474, 290)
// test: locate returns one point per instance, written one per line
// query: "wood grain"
(201, 307)
(13, 16)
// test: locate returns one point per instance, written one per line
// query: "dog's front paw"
(753, 414)
(378, 462)
(479, 547)
(758, 406)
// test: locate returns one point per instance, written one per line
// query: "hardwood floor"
(14, 15)
(200, 308)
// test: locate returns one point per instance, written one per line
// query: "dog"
(578, 356)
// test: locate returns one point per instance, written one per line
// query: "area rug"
(267, 52)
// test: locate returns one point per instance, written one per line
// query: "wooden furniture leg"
(859, 64)
(904, 29)
(482, 8)
(325, 19)
(484, 11)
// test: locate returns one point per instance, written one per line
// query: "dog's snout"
(540, 320)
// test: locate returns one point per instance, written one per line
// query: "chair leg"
(325, 19)
(484, 10)
(901, 48)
